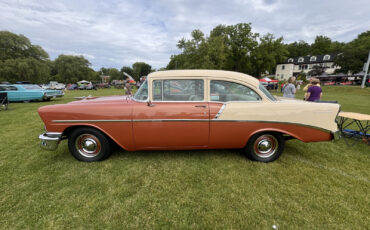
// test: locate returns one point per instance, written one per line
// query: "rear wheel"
(265, 147)
(88, 144)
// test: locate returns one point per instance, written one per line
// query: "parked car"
(213, 110)
(56, 85)
(29, 92)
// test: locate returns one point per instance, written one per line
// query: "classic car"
(54, 85)
(188, 109)
(29, 92)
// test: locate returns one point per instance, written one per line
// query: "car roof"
(206, 73)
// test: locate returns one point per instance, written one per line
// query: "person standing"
(306, 88)
(128, 88)
(289, 89)
(314, 92)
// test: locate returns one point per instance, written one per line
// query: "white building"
(294, 66)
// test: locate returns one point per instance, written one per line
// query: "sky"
(115, 33)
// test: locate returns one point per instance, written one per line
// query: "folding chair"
(4, 102)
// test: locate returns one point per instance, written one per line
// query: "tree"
(18, 46)
(241, 41)
(269, 52)
(73, 68)
(355, 54)
(22, 61)
(322, 45)
(140, 69)
(128, 70)
(114, 73)
(300, 48)
(24, 69)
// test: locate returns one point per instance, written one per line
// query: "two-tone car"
(188, 109)
(28, 92)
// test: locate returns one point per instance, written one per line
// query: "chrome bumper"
(50, 141)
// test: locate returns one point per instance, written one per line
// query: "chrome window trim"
(243, 84)
(169, 79)
(220, 111)
(189, 120)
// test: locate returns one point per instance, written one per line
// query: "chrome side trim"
(220, 111)
(174, 120)
(141, 120)
(189, 120)
(279, 122)
(88, 121)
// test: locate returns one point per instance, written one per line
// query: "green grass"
(311, 186)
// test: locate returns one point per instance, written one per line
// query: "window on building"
(313, 58)
(326, 57)
(283, 67)
(290, 60)
(301, 59)
(305, 66)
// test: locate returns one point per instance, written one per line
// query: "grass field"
(311, 186)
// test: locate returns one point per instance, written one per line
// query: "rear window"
(31, 87)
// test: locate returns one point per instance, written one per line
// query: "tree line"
(227, 47)
(20, 60)
(237, 48)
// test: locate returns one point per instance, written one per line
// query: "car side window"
(178, 90)
(231, 91)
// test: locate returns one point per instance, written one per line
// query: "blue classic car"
(29, 92)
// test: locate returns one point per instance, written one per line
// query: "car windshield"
(31, 87)
(266, 92)
(142, 93)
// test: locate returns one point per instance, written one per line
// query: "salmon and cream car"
(188, 109)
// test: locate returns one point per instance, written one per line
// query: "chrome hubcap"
(88, 145)
(265, 146)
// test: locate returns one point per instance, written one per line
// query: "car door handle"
(201, 106)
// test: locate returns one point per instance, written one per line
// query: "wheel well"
(286, 136)
(70, 129)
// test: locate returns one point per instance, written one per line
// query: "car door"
(13, 93)
(176, 118)
(229, 132)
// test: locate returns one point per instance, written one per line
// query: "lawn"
(311, 186)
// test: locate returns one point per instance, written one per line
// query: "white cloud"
(116, 33)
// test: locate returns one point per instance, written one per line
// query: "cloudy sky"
(115, 33)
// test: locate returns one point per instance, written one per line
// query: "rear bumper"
(336, 135)
(50, 140)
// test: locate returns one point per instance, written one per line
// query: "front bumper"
(50, 140)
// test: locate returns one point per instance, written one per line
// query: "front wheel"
(88, 144)
(265, 147)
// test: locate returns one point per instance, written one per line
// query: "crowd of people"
(312, 91)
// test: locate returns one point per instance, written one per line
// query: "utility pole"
(365, 70)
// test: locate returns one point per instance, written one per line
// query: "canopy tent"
(83, 82)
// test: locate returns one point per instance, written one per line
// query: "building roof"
(307, 59)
